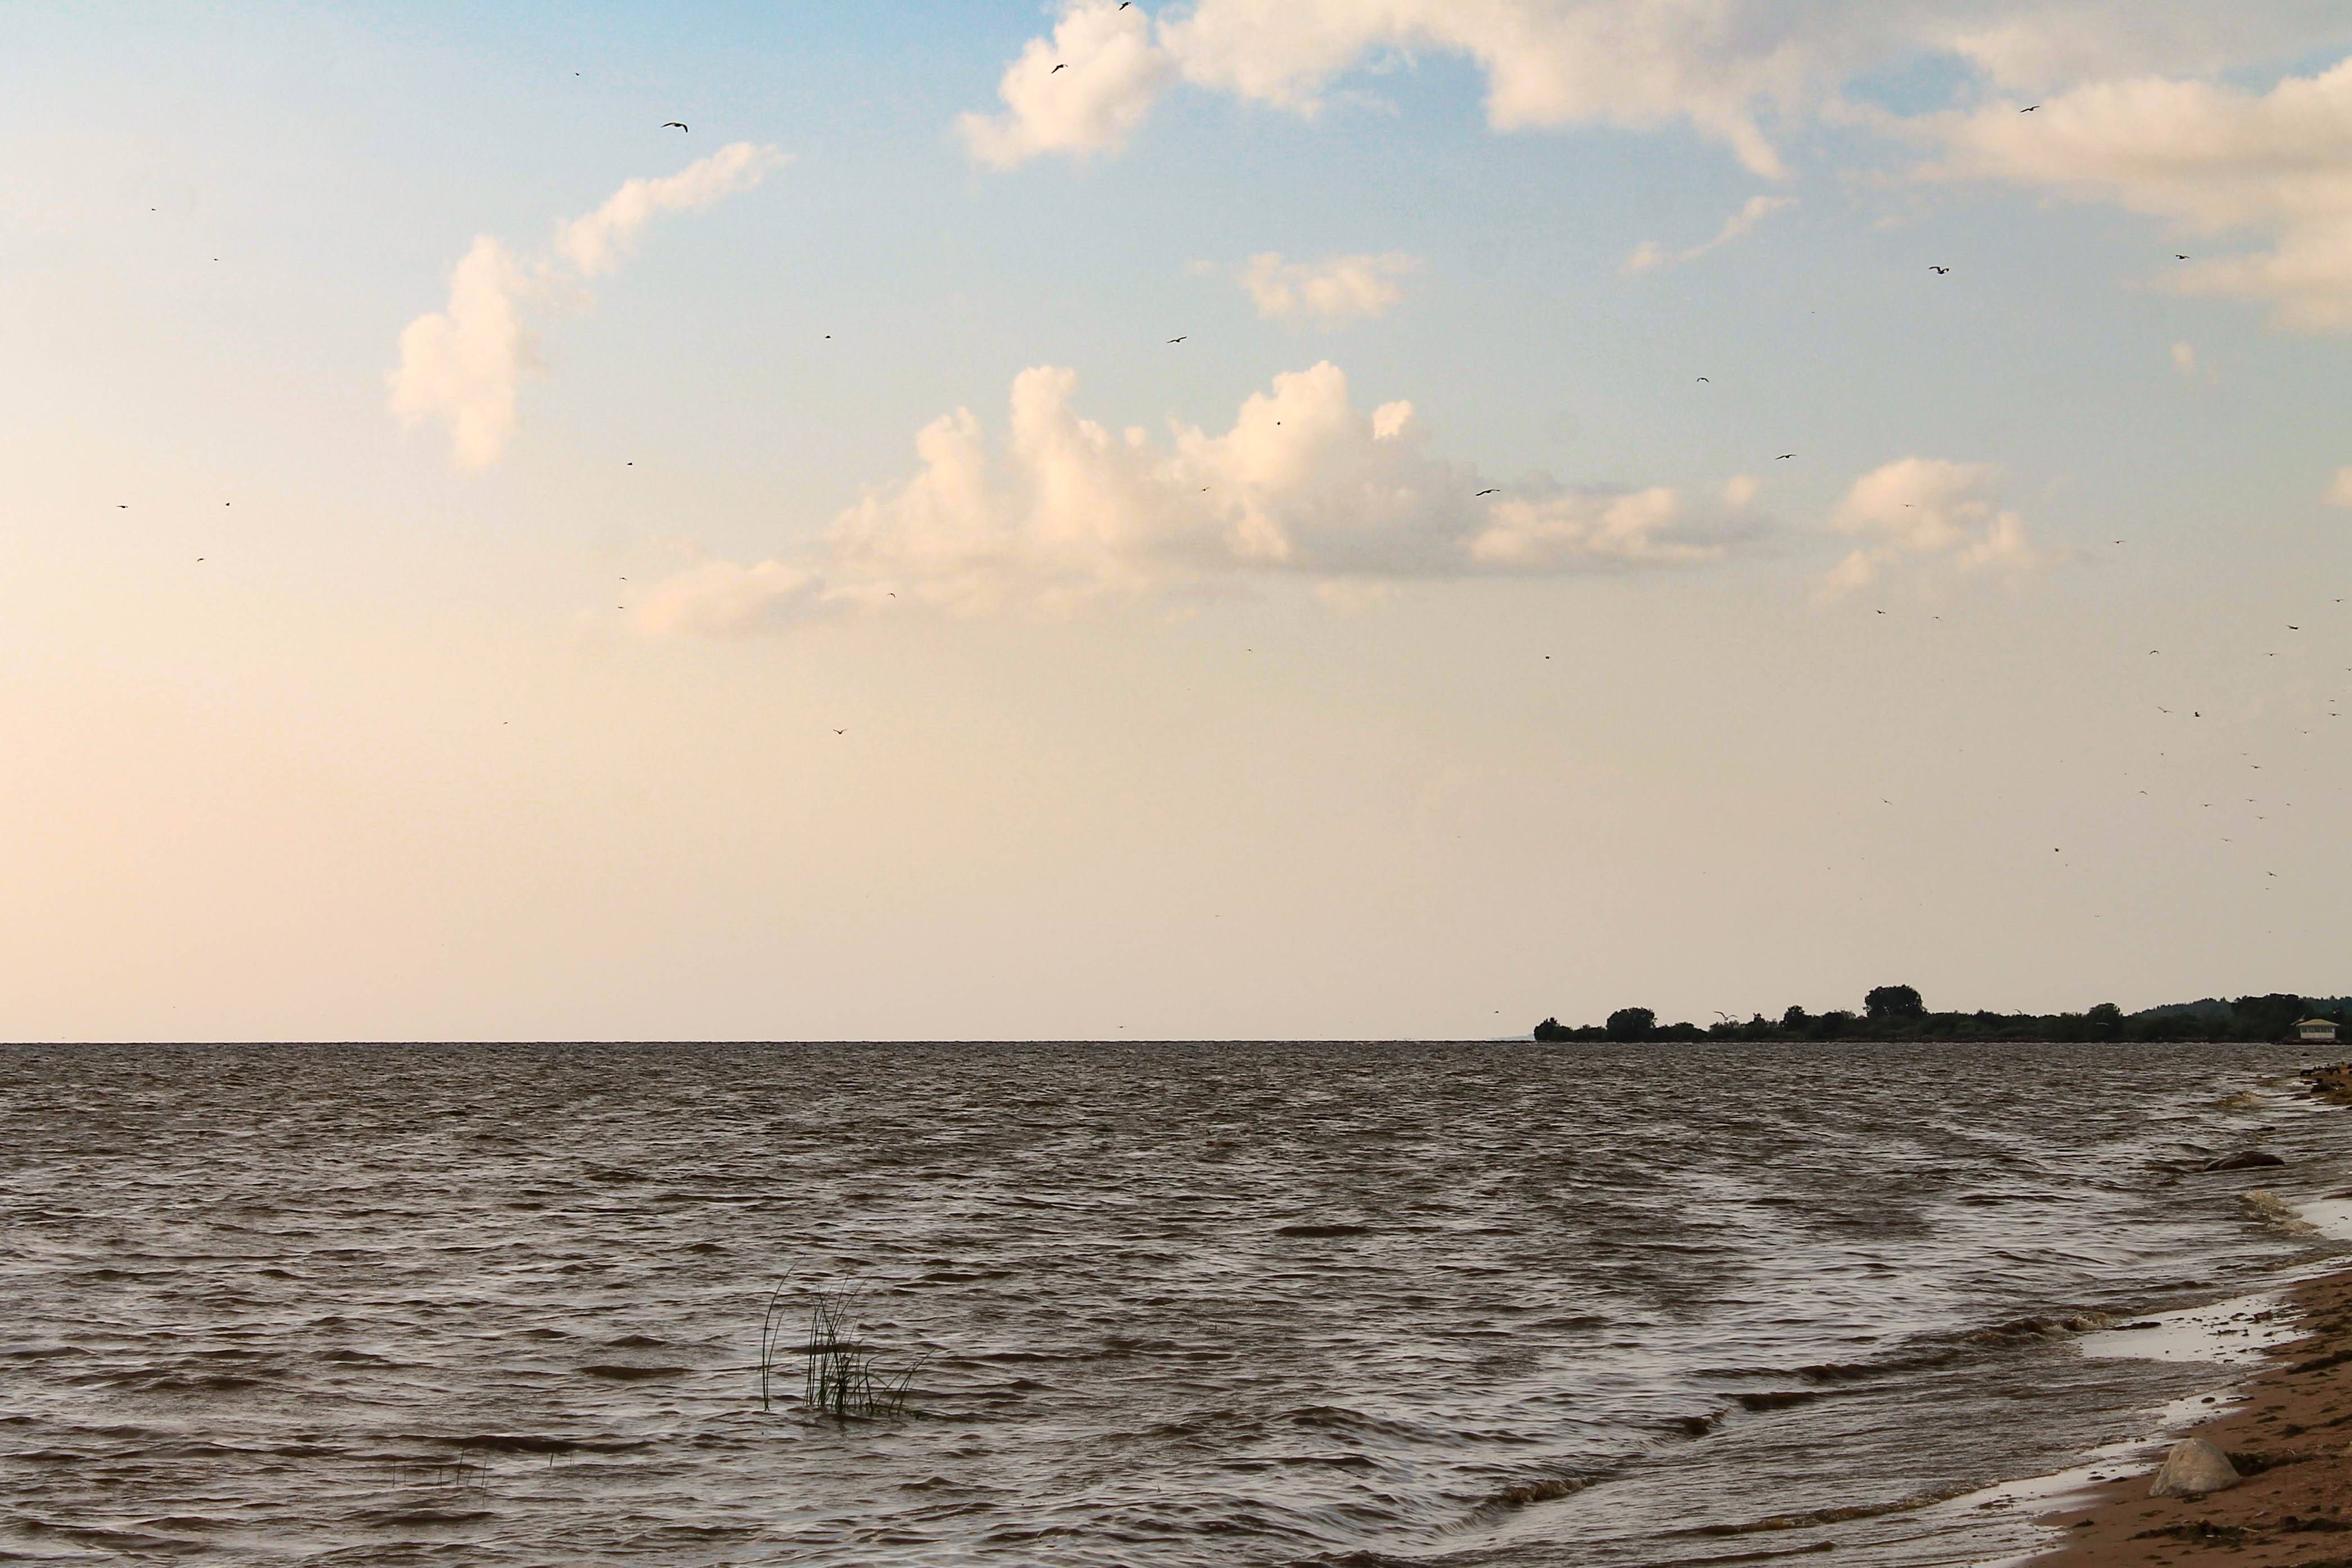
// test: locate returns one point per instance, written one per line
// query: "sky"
(1237, 518)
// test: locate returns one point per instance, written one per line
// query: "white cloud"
(1332, 291)
(1648, 254)
(464, 365)
(596, 243)
(1081, 91)
(2339, 493)
(1067, 512)
(1726, 68)
(720, 596)
(1926, 514)
(2215, 160)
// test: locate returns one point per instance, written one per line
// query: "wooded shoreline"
(1895, 1013)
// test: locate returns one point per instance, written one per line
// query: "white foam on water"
(2228, 1334)
(2331, 1217)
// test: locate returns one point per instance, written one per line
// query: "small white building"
(2322, 1030)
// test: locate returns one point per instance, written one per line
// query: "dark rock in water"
(2248, 1160)
(2193, 1467)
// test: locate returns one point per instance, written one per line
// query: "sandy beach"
(2290, 1435)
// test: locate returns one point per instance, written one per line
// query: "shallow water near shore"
(1182, 1304)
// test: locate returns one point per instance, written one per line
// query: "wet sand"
(2291, 1437)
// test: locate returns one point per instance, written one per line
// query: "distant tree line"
(1897, 1013)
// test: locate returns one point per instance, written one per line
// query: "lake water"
(1178, 1304)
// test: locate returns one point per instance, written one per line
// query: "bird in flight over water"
(2028, 109)
(678, 124)
(1179, 340)
(1494, 492)
(1784, 457)
(1933, 268)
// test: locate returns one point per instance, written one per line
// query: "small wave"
(1547, 1490)
(514, 1443)
(409, 1516)
(633, 1373)
(2039, 1328)
(1779, 1399)
(1842, 1515)
(2277, 1212)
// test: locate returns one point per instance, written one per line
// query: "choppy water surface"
(1182, 1304)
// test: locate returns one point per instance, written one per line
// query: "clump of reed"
(842, 1377)
(460, 1474)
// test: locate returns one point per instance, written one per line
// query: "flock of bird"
(1937, 268)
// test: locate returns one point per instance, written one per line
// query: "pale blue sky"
(404, 755)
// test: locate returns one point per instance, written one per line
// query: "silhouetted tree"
(1893, 1002)
(1632, 1023)
(1551, 1030)
(2267, 1018)
(1795, 1020)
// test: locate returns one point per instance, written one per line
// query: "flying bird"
(841, 732)
(670, 124)
(1179, 340)
(1702, 378)
(1063, 67)
(1933, 268)
(2028, 109)
(1488, 493)
(1784, 457)
(2177, 257)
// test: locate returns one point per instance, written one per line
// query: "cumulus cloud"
(1081, 91)
(719, 596)
(2215, 160)
(1330, 292)
(1925, 515)
(596, 243)
(464, 365)
(1728, 69)
(1065, 512)
(1649, 254)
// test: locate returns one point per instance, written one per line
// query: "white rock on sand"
(2193, 1467)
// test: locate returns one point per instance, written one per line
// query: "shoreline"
(2288, 1430)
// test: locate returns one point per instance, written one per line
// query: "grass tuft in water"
(842, 1377)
